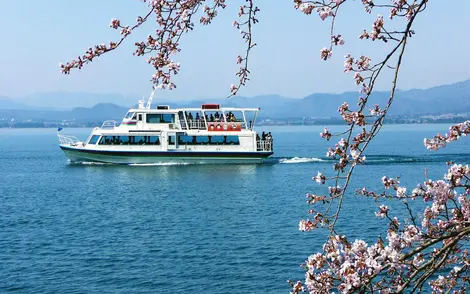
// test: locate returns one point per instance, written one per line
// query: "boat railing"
(68, 140)
(109, 124)
(183, 124)
(264, 145)
(197, 125)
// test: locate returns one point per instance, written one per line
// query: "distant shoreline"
(91, 125)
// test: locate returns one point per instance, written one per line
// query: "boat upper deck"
(210, 117)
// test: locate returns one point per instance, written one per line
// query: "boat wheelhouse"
(210, 134)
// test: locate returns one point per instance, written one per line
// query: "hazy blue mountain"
(454, 98)
(7, 103)
(69, 100)
(101, 111)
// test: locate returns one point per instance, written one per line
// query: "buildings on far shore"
(8, 122)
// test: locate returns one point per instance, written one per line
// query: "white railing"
(264, 146)
(197, 125)
(183, 124)
(109, 124)
(68, 140)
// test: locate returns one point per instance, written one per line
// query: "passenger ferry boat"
(210, 134)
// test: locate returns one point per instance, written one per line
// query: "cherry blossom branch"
(174, 18)
(250, 11)
(455, 132)
(448, 217)
(99, 50)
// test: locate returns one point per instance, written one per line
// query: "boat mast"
(149, 102)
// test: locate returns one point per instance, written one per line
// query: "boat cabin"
(209, 117)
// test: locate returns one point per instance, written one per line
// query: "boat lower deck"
(145, 157)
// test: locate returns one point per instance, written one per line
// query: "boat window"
(160, 118)
(94, 139)
(109, 140)
(250, 119)
(208, 140)
(140, 116)
(233, 140)
(186, 140)
(129, 115)
(171, 140)
(202, 140)
(214, 116)
(123, 140)
(218, 140)
(155, 140)
(232, 116)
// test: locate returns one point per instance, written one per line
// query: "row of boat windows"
(125, 140)
(155, 140)
(205, 140)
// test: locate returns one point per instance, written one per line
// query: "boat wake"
(300, 160)
(159, 164)
(128, 164)
(91, 163)
(386, 159)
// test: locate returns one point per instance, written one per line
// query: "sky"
(38, 35)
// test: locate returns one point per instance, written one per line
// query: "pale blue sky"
(38, 35)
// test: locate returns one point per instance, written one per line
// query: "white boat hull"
(144, 157)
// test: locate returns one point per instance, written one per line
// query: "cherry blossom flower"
(382, 212)
(325, 53)
(319, 178)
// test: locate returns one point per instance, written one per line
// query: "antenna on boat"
(149, 102)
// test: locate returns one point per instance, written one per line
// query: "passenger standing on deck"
(269, 141)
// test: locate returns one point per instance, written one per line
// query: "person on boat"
(212, 117)
(190, 116)
(216, 116)
(197, 117)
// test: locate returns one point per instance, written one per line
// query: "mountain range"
(453, 98)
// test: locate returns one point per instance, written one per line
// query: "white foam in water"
(300, 160)
(159, 164)
(93, 163)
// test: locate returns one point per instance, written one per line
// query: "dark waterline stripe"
(170, 153)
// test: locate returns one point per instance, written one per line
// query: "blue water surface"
(75, 228)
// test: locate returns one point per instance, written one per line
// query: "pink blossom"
(348, 63)
(337, 40)
(383, 210)
(326, 134)
(324, 12)
(325, 53)
(401, 192)
(306, 8)
(319, 178)
(233, 88)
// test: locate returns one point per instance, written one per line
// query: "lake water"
(74, 228)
